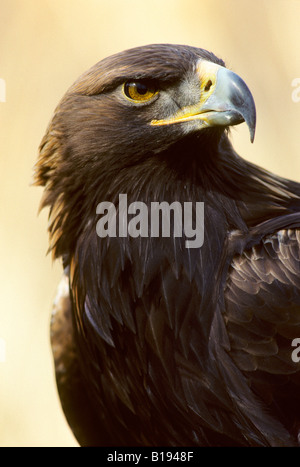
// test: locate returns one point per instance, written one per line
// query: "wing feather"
(262, 315)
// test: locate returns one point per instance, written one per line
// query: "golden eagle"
(156, 343)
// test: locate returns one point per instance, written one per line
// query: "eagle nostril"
(208, 85)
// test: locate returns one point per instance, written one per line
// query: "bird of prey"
(156, 343)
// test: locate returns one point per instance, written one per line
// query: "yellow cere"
(207, 73)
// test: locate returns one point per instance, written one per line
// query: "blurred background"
(44, 46)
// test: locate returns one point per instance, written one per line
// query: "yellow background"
(44, 46)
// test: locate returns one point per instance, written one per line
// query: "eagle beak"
(225, 100)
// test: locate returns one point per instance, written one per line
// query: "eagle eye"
(139, 91)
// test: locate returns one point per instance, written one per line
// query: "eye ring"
(139, 91)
